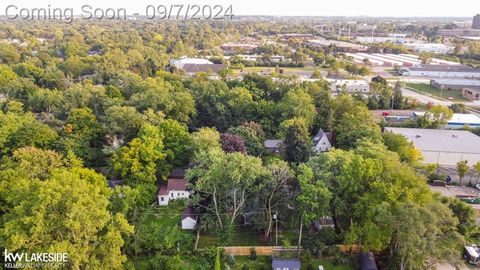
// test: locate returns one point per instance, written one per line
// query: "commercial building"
(341, 45)
(440, 71)
(193, 65)
(429, 47)
(233, 47)
(350, 86)
(458, 120)
(461, 120)
(389, 39)
(471, 93)
(476, 22)
(459, 32)
(454, 84)
(443, 147)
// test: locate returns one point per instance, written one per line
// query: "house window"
(171, 194)
(162, 199)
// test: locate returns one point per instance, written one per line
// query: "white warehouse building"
(440, 71)
(351, 86)
(443, 147)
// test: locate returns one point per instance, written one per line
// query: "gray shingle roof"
(284, 263)
(272, 143)
(318, 137)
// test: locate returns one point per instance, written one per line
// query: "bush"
(253, 254)
(310, 267)
(331, 250)
(245, 267)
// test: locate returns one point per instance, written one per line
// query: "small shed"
(367, 261)
(285, 264)
(189, 218)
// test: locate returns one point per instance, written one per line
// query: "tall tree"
(142, 159)
(296, 142)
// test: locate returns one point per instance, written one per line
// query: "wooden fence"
(271, 250)
(261, 250)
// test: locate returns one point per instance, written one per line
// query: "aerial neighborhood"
(255, 142)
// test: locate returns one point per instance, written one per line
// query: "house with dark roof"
(174, 189)
(321, 143)
(273, 146)
(190, 218)
(285, 264)
(114, 183)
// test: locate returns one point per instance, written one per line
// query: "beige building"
(471, 93)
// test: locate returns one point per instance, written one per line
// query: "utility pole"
(276, 227)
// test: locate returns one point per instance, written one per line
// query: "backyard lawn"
(247, 237)
(263, 262)
(445, 94)
(328, 265)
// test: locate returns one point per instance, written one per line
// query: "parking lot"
(453, 191)
(471, 176)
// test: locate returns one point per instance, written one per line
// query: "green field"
(432, 91)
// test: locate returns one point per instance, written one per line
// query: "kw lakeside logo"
(16, 260)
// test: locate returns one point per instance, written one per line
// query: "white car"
(320, 267)
(477, 186)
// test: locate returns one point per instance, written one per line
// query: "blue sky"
(465, 8)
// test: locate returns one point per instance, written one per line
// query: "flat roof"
(440, 140)
(450, 68)
(464, 118)
(457, 82)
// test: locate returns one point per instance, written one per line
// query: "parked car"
(448, 179)
(477, 186)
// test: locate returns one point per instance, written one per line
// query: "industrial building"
(459, 32)
(454, 84)
(471, 93)
(389, 39)
(429, 47)
(440, 71)
(345, 46)
(476, 22)
(458, 120)
(390, 60)
(443, 147)
(351, 86)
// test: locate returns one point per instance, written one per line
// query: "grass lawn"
(187, 263)
(328, 264)
(445, 94)
(262, 262)
(248, 237)
(241, 237)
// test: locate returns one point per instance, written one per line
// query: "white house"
(189, 218)
(321, 142)
(174, 189)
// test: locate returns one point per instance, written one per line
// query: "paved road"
(424, 98)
